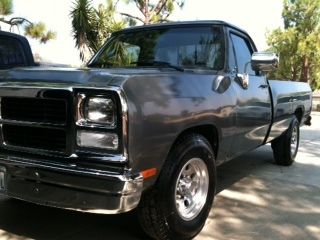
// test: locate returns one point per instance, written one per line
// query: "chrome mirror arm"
(243, 78)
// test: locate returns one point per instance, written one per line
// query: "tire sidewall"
(294, 123)
(178, 158)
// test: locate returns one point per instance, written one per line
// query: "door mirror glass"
(264, 61)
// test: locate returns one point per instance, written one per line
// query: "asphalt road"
(257, 200)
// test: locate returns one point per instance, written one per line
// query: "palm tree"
(91, 27)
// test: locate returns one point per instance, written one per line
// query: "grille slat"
(34, 110)
(34, 124)
(34, 137)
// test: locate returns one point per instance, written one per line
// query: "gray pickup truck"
(145, 124)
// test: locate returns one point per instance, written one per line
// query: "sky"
(254, 16)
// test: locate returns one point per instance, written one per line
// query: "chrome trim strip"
(106, 158)
(80, 119)
(68, 168)
(33, 124)
(48, 87)
(79, 112)
(1, 131)
(0, 108)
(2, 143)
(125, 124)
(127, 203)
(44, 152)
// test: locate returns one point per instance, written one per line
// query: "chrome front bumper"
(70, 187)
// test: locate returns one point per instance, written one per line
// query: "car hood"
(73, 77)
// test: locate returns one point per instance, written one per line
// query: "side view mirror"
(264, 61)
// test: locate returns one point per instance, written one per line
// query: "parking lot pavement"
(257, 200)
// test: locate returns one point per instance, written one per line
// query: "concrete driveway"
(257, 200)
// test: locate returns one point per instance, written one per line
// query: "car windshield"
(178, 48)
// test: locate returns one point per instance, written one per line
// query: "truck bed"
(288, 97)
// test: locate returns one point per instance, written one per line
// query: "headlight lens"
(109, 141)
(98, 110)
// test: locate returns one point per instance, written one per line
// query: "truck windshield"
(178, 48)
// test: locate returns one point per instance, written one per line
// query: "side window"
(11, 53)
(243, 53)
(231, 58)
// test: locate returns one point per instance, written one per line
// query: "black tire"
(285, 147)
(158, 212)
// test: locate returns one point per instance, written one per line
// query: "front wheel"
(285, 148)
(179, 203)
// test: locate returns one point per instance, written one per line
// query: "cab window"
(11, 53)
(242, 53)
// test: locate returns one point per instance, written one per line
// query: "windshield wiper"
(158, 64)
(100, 64)
(94, 64)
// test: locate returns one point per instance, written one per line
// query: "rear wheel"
(285, 148)
(179, 203)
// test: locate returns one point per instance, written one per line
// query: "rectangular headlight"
(100, 110)
(96, 110)
(109, 141)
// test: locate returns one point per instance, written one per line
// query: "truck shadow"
(21, 220)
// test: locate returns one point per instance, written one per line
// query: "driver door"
(253, 107)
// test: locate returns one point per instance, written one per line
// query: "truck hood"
(72, 77)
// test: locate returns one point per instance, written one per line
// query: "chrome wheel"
(192, 189)
(294, 140)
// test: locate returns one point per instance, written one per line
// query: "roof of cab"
(184, 23)
(9, 34)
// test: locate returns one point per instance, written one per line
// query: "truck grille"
(35, 124)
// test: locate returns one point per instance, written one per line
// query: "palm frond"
(82, 16)
(6, 7)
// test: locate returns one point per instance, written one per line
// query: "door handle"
(264, 86)
(243, 79)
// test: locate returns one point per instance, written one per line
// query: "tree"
(298, 43)
(6, 7)
(153, 11)
(91, 27)
(33, 30)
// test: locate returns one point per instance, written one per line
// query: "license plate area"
(2, 179)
